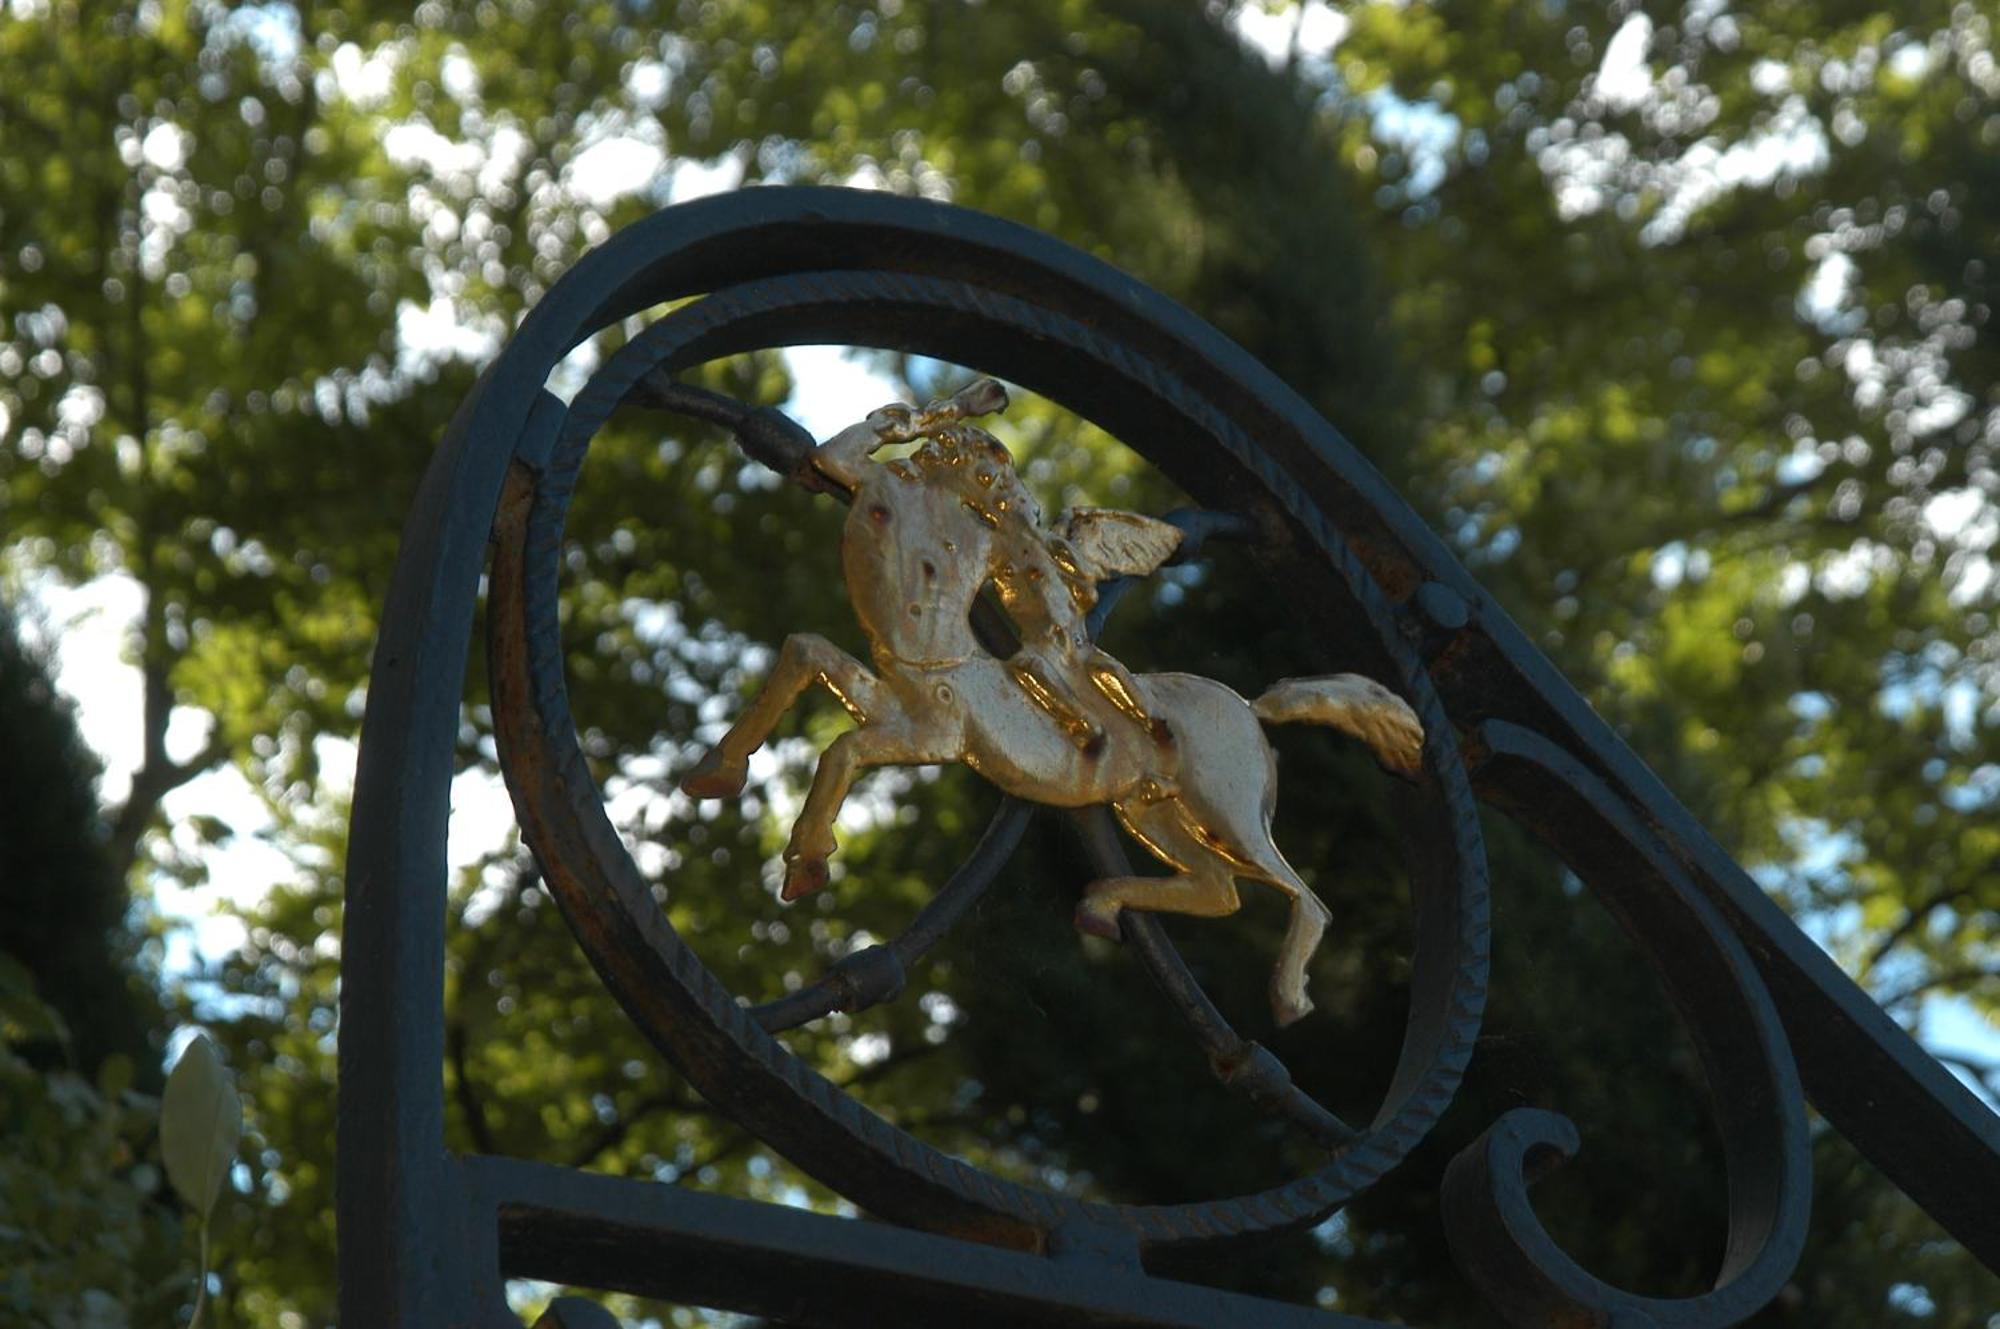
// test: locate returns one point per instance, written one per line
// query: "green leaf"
(201, 1123)
(24, 1016)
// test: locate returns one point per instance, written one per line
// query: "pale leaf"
(201, 1124)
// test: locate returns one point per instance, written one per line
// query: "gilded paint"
(1181, 760)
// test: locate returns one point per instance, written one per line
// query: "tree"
(1796, 598)
(1478, 247)
(66, 938)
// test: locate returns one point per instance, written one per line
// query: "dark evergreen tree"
(62, 900)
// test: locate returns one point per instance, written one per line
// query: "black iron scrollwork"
(780, 267)
(1709, 976)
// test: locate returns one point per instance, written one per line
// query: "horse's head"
(954, 456)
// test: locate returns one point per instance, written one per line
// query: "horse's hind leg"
(1258, 859)
(1204, 883)
(893, 741)
(1207, 892)
(803, 660)
(1303, 930)
(1206, 887)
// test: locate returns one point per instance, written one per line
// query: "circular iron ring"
(763, 255)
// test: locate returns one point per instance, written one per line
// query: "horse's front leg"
(896, 739)
(803, 660)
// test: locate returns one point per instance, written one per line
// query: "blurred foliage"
(1675, 321)
(86, 1241)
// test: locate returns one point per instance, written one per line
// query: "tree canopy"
(1675, 320)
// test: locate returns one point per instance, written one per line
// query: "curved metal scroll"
(1494, 1233)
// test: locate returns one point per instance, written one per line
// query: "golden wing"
(1107, 542)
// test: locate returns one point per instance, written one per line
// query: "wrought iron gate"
(427, 1238)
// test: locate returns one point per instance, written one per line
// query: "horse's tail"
(1354, 705)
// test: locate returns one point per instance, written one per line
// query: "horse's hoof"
(803, 876)
(712, 777)
(1290, 1010)
(1097, 919)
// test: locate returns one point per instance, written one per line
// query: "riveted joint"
(1434, 617)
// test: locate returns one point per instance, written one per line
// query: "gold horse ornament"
(1181, 759)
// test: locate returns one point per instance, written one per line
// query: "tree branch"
(895, 1061)
(471, 1105)
(158, 775)
(1774, 502)
(1912, 920)
(1949, 978)
(1986, 1073)
(729, 1148)
(613, 1134)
